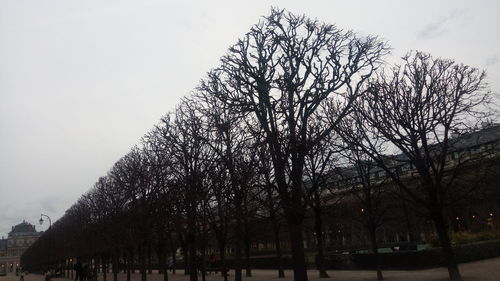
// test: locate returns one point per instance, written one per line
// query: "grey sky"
(82, 81)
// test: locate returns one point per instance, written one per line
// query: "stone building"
(19, 239)
(477, 184)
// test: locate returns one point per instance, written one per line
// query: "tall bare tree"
(184, 140)
(271, 203)
(416, 108)
(319, 163)
(368, 185)
(229, 140)
(283, 71)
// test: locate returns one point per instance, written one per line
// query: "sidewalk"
(486, 270)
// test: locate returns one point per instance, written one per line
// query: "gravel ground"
(486, 270)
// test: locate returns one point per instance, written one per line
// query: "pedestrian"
(212, 260)
(170, 263)
(84, 272)
(78, 270)
(22, 275)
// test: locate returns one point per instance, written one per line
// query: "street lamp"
(48, 238)
(41, 220)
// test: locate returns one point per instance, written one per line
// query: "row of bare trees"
(267, 134)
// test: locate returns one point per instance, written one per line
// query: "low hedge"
(465, 237)
(414, 259)
(477, 251)
(410, 260)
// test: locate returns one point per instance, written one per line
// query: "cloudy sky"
(82, 81)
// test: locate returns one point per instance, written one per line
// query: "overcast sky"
(82, 81)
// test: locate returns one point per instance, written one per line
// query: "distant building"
(474, 158)
(477, 180)
(19, 239)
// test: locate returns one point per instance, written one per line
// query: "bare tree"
(132, 174)
(220, 215)
(159, 166)
(184, 140)
(283, 71)
(271, 203)
(229, 140)
(368, 184)
(319, 163)
(416, 109)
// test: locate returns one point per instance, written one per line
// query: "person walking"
(21, 273)
(78, 270)
(212, 260)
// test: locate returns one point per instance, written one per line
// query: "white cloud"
(440, 26)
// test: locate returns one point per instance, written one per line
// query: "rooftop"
(23, 228)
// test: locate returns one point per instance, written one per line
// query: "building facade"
(475, 207)
(19, 239)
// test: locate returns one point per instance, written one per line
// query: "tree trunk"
(150, 265)
(164, 268)
(116, 266)
(130, 262)
(276, 231)
(203, 265)
(124, 257)
(444, 239)
(162, 258)
(160, 252)
(203, 250)
(238, 237)
(248, 269)
(373, 240)
(237, 250)
(142, 263)
(279, 255)
(191, 243)
(222, 251)
(185, 253)
(174, 262)
(174, 250)
(186, 260)
(104, 268)
(297, 245)
(294, 210)
(318, 228)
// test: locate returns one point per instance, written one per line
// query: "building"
(344, 216)
(19, 239)
(473, 161)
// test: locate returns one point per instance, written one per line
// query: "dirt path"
(486, 270)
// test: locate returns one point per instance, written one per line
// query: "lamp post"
(48, 238)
